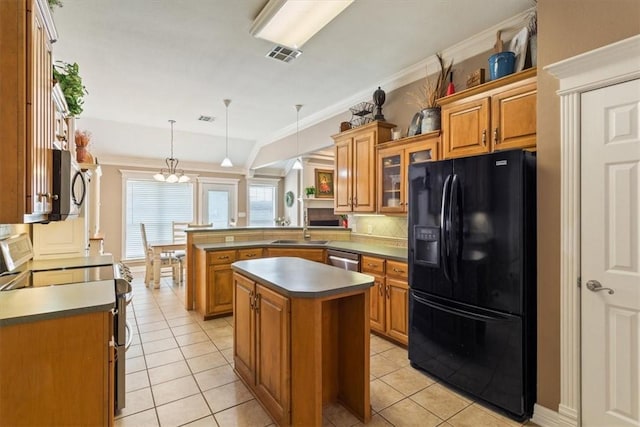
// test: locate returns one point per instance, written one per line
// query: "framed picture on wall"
(324, 183)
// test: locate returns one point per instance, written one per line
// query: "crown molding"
(475, 45)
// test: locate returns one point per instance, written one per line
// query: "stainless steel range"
(25, 275)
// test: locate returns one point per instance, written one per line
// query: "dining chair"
(165, 261)
(179, 236)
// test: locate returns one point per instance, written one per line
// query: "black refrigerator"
(472, 276)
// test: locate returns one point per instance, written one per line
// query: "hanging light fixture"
(226, 162)
(171, 174)
(297, 164)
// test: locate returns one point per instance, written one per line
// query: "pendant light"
(297, 164)
(226, 163)
(171, 173)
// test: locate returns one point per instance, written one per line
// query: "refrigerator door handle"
(444, 215)
(457, 312)
(454, 230)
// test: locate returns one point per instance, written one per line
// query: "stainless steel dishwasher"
(345, 260)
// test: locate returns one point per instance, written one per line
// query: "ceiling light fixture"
(226, 163)
(297, 164)
(171, 174)
(292, 23)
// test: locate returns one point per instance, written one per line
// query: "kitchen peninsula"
(301, 337)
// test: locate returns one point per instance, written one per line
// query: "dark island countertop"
(301, 278)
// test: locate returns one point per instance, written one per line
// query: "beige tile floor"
(180, 372)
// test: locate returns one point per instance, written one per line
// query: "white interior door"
(610, 256)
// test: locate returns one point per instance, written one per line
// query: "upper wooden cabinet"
(355, 166)
(394, 159)
(498, 115)
(27, 113)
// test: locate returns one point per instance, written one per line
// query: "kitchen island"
(301, 337)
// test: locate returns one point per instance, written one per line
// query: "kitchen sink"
(300, 242)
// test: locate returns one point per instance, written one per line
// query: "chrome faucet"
(305, 225)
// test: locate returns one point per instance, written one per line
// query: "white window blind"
(156, 205)
(262, 204)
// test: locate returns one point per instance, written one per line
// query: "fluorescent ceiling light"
(292, 22)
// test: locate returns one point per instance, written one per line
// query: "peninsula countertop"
(390, 252)
(301, 278)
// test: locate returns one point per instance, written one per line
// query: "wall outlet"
(229, 238)
(369, 229)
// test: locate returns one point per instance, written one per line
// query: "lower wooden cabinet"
(389, 299)
(57, 371)
(261, 345)
(214, 287)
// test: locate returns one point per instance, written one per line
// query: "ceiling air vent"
(206, 118)
(284, 54)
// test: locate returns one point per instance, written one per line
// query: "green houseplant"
(68, 77)
(310, 191)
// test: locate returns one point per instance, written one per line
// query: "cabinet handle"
(48, 196)
(495, 136)
(387, 289)
(380, 289)
(484, 137)
(224, 257)
(397, 271)
(256, 303)
(250, 255)
(371, 265)
(251, 300)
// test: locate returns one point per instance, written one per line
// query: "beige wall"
(566, 28)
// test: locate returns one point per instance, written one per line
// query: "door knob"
(595, 286)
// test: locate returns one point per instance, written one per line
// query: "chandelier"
(171, 173)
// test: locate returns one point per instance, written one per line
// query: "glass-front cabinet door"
(391, 163)
(393, 168)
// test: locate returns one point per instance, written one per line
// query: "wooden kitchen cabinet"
(214, 282)
(355, 167)
(497, 115)
(397, 304)
(261, 345)
(389, 300)
(394, 159)
(312, 254)
(57, 371)
(27, 119)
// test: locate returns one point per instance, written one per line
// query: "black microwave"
(69, 187)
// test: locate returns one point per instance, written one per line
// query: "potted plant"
(67, 76)
(310, 191)
(427, 98)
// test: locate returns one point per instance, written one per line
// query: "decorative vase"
(83, 155)
(378, 98)
(430, 120)
(501, 64)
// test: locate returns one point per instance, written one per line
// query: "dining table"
(159, 248)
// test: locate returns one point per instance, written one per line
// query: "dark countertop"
(389, 252)
(50, 302)
(301, 278)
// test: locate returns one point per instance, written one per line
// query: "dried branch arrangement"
(434, 87)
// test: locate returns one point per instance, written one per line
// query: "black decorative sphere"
(378, 98)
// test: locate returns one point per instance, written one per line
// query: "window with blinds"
(262, 204)
(156, 205)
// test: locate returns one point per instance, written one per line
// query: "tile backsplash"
(383, 226)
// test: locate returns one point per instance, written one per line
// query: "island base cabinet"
(299, 354)
(261, 345)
